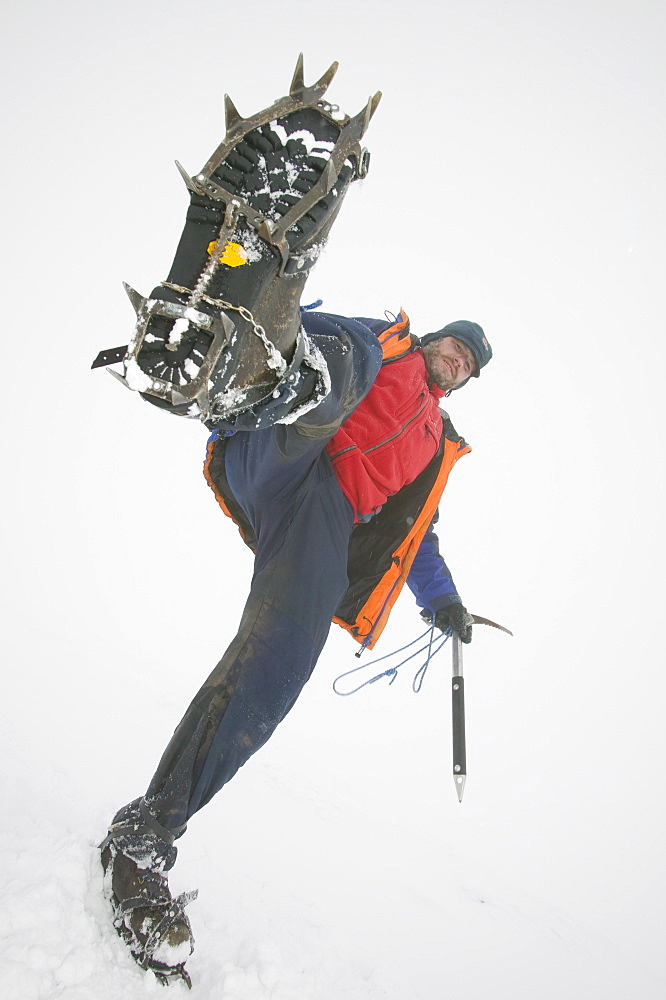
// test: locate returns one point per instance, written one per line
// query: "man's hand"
(457, 617)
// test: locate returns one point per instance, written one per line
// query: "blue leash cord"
(433, 646)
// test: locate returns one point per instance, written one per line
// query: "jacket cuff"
(445, 601)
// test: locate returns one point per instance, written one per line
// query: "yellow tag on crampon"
(233, 254)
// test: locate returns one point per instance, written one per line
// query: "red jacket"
(395, 451)
(394, 433)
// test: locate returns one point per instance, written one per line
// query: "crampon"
(222, 333)
(152, 923)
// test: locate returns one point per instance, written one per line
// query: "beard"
(444, 377)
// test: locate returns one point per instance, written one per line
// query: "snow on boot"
(136, 854)
(223, 332)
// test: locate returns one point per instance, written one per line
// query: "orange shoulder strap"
(396, 340)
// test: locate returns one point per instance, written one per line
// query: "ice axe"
(458, 706)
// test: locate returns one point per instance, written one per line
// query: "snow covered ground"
(337, 866)
(339, 863)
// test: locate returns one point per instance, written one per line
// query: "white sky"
(517, 179)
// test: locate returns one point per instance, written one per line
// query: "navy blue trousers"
(282, 478)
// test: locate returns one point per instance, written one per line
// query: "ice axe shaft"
(458, 707)
(458, 718)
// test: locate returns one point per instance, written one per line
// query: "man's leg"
(282, 479)
(300, 577)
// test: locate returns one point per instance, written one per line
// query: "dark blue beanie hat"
(470, 334)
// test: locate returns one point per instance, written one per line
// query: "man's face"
(448, 362)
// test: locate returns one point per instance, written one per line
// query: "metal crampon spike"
(232, 116)
(373, 104)
(265, 230)
(300, 96)
(298, 82)
(325, 80)
(329, 176)
(362, 119)
(190, 183)
(136, 298)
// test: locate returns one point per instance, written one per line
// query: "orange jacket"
(381, 551)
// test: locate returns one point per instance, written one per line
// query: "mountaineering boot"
(223, 332)
(136, 854)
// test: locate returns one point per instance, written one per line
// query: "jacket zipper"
(398, 432)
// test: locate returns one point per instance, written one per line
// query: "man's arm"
(431, 583)
(429, 578)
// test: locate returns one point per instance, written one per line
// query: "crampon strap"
(150, 824)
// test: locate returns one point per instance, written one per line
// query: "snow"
(322, 146)
(229, 400)
(172, 955)
(350, 886)
(311, 254)
(314, 359)
(136, 377)
(339, 865)
(180, 327)
(274, 359)
(254, 247)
